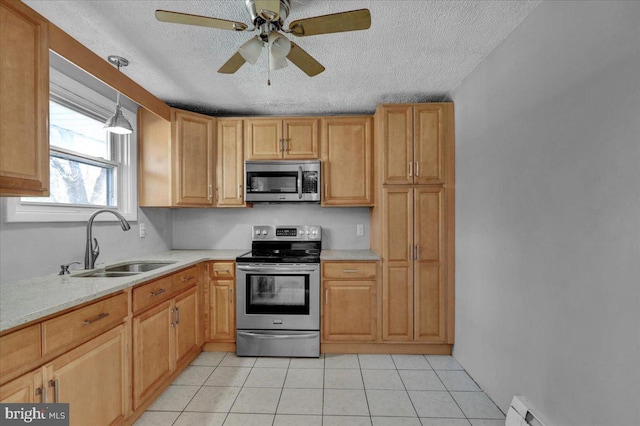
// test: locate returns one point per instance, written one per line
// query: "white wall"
(548, 215)
(231, 228)
(34, 249)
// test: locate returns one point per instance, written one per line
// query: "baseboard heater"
(522, 413)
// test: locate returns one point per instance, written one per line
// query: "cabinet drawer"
(19, 348)
(185, 279)
(152, 293)
(350, 270)
(222, 270)
(82, 323)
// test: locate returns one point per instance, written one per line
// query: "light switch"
(143, 230)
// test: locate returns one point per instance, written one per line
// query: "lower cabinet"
(221, 305)
(349, 301)
(91, 378)
(163, 337)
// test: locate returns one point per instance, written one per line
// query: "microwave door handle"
(300, 182)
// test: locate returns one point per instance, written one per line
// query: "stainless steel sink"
(124, 269)
(105, 274)
(137, 267)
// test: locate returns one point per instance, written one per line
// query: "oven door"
(278, 296)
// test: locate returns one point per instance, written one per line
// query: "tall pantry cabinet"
(413, 221)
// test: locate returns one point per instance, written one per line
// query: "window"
(89, 168)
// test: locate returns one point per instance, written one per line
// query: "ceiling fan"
(267, 17)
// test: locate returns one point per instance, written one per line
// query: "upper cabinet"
(347, 161)
(414, 138)
(176, 160)
(229, 170)
(281, 138)
(24, 104)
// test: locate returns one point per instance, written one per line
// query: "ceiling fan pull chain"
(268, 70)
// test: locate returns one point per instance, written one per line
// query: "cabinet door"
(349, 311)
(301, 138)
(91, 378)
(222, 311)
(26, 389)
(153, 350)
(230, 164)
(397, 284)
(187, 327)
(429, 292)
(396, 133)
(346, 160)
(431, 129)
(24, 110)
(194, 155)
(263, 139)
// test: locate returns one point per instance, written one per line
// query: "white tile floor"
(219, 388)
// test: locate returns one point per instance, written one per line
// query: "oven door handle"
(278, 336)
(300, 182)
(273, 270)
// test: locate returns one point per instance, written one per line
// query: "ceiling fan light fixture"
(276, 63)
(251, 49)
(280, 45)
(118, 123)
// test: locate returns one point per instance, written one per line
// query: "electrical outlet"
(359, 230)
(142, 230)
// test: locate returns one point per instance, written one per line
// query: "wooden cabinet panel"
(25, 389)
(397, 304)
(229, 178)
(76, 326)
(22, 347)
(349, 311)
(430, 130)
(350, 270)
(300, 138)
(185, 278)
(222, 311)
(155, 176)
(91, 378)
(263, 139)
(347, 161)
(194, 158)
(429, 303)
(187, 327)
(222, 270)
(153, 350)
(152, 293)
(396, 139)
(24, 110)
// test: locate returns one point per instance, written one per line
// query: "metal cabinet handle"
(230, 296)
(189, 278)
(56, 389)
(98, 318)
(239, 192)
(173, 317)
(417, 251)
(286, 145)
(210, 191)
(157, 293)
(417, 168)
(42, 391)
(177, 312)
(350, 271)
(410, 168)
(221, 270)
(326, 296)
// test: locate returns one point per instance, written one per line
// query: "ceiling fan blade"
(233, 64)
(304, 61)
(202, 21)
(335, 23)
(268, 9)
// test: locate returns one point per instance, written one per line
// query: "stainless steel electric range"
(278, 292)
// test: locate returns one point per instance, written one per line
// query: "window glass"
(77, 132)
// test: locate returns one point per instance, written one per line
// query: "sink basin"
(137, 267)
(105, 274)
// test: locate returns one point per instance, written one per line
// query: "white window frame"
(126, 190)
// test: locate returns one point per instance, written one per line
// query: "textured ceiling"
(414, 51)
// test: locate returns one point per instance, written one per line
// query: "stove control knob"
(264, 232)
(307, 232)
(257, 232)
(314, 232)
(301, 232)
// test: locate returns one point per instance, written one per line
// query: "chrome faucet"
(91, 252)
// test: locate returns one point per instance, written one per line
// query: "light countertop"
(35, 298)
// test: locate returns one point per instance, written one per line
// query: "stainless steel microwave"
(282, 181)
